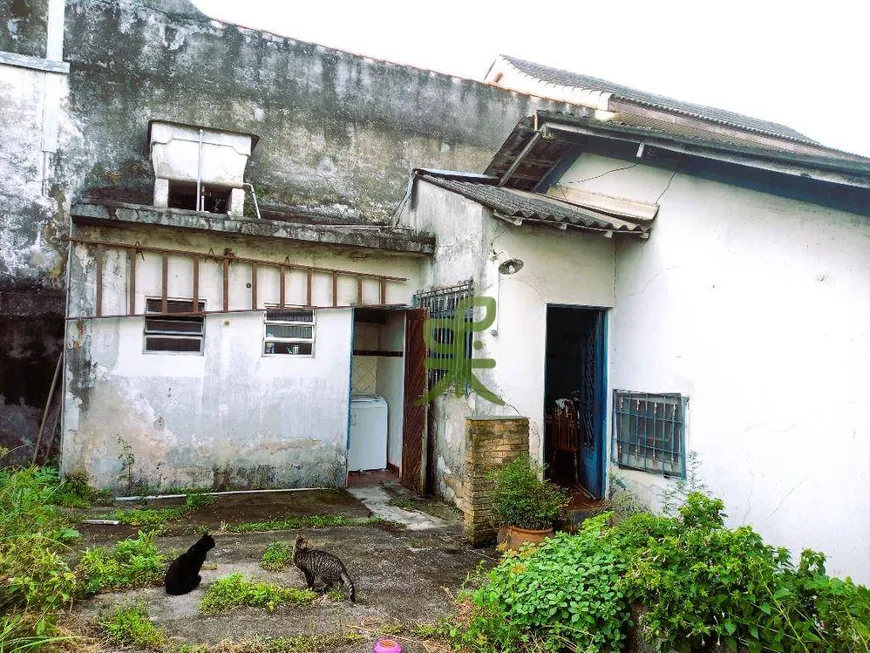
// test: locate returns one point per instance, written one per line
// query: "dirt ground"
(410, 576)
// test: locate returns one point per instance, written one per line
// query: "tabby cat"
(320, 564)
(183, 574)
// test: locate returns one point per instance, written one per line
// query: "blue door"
(592, 405)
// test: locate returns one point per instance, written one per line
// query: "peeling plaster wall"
(756, 307)
(230, 417)
(23, 26)
(572, 268)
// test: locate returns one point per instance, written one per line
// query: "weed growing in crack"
(131, 626)
(235, 590)
(278, 557)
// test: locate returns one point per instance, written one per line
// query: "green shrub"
(131, 626)
(520, 498)
(197, 500)
(234, 590)
(698, 582)
(564, 592)
(130, 563)
(278, 556)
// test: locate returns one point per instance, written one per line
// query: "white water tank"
(368, 433)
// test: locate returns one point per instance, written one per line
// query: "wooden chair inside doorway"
(563, 433)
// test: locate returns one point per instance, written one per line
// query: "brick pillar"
(489, 443)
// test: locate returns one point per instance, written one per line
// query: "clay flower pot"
(516, 536)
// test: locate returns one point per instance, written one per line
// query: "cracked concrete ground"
(400, 574)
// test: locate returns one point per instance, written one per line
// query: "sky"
(805, 68)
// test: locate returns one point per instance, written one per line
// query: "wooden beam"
(196, 284)
(226, 285)
(383, 292)
(254, 286)
(528, 148)
(164, 303)
(359, 291)
(100, 254)
(131, 254)
(633, 209)
(282, 287)
(334, 289)
(308, 284)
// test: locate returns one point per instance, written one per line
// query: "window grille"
(442, 303)
(165, 332)
(288, 331)
(649, 432)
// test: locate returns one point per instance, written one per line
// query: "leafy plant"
(278, 556)
(131, 626)
(130, 563)
(235, 590)
(565, 591)
(520, 498)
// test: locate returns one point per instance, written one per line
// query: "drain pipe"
(254, 195)
(199, 176)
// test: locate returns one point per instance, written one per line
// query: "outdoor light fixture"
(507, 267)
(511, 266)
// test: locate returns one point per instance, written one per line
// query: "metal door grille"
(441, 303)
(649, 432)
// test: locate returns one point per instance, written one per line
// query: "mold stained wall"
(231, 417)
(569, 267)
(756, 307)
(32, 224)
(338, 134)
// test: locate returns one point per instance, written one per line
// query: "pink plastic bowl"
(387, 646)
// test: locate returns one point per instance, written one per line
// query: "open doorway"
(575, 397)
(377, 396)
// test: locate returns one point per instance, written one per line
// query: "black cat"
(183, 574)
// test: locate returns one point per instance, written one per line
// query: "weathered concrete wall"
(23, 26)
(491, 442)
(756, 307)
(230, 417)
(339, 132)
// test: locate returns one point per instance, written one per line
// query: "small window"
(170, 331)
(649, 432)
(289, 331)
(215, 199)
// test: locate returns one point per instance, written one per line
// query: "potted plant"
(524, 505)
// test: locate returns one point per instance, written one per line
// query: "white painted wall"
(756, 307)
(573, 268)
(229, 416)
(391, 382)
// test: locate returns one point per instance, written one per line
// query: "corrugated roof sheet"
(530, 206)
(575, 80)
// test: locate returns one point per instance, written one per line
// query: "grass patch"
(403, 502)
(235, 590)
(131, 626)
(295, 523)
(293, 644)
(130, 563)
(156, 519)
(277, 557)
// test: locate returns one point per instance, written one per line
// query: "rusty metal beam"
(359, 291)
(226, 287)
(308, 286)
(283, 287)
(334, 289)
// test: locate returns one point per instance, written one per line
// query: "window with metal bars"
(649, 432)
(289, 331)
(442, 303)
(168, 332)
